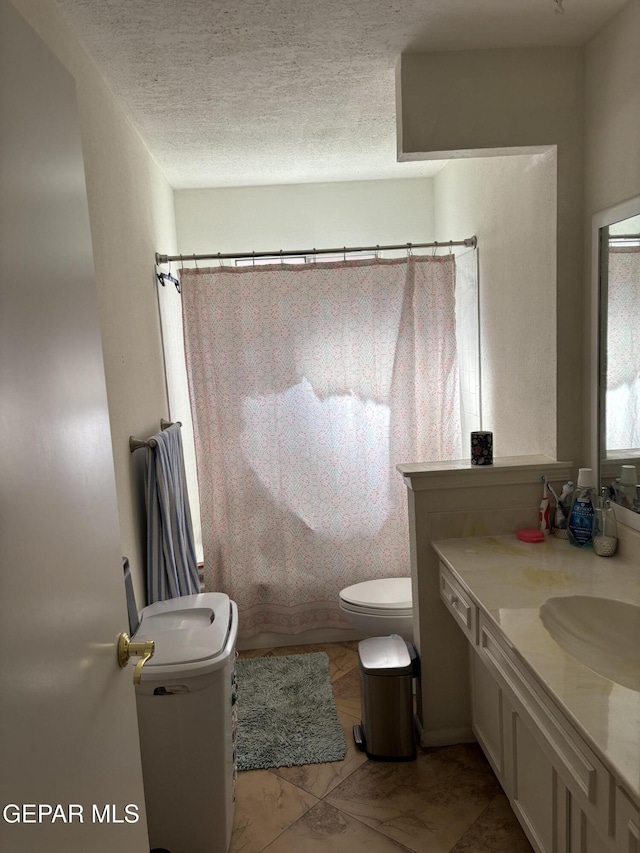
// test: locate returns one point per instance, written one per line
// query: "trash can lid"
(384, 656)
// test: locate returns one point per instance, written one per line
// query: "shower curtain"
(623, 349)
(309, 384)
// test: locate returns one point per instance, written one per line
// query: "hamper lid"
(186, 630)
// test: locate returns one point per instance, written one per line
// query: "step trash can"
(387, 666)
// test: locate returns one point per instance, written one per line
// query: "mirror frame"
(630, 207)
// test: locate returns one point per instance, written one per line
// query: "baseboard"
(444, 737)
(273, 640)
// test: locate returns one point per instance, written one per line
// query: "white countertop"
(510, 580)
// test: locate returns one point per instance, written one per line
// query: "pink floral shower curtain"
(309, 384)
(623, 349)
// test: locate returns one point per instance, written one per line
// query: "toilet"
(380, 607)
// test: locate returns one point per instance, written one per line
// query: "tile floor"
(447, 801)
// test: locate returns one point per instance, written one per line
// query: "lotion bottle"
(580, 526)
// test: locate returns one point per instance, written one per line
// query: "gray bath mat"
(286, 712)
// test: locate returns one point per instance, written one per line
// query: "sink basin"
(602, 633)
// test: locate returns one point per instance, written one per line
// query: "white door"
(68, 728)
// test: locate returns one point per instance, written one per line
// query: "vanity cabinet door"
(627, 824)
(575, 764)
(487, 717)
(534, 787)
(583, 836)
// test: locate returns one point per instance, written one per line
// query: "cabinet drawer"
(627, 824)
(585, 776)
(459, 604)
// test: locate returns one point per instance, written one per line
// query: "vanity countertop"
(510, 580)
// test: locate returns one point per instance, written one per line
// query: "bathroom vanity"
(554, 649)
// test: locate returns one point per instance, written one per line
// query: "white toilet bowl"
(379, 607)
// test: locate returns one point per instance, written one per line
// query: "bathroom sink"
(602, 633)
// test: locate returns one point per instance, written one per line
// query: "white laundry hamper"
(187, 720)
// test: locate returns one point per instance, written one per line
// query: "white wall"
(131, 213)
(612, 112)
(467, 103)
(301, 216)
(510, 204)
(612, 158)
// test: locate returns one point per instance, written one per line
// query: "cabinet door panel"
(627, 824)
(534, 788)
(581, 770)
(487, 714)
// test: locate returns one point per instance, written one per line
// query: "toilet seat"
(383, 596)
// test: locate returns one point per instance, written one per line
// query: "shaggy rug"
(286, 712)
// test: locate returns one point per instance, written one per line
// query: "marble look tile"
(347, 693)
(343, 658)
(319, 779)
(253, 653)
(427, 804)
(266, 805)
(496, 831)
(324, 828)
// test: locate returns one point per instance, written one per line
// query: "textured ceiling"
(247, 92)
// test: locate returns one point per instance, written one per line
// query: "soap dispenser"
(605, 528)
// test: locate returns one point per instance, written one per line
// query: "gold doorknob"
(127, 650)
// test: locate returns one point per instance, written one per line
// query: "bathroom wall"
(304, 215)
(510, 204)
(462, 104)
(612, 125)
(131, 213)
(612, 112)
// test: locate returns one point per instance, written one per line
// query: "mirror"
(616, 241)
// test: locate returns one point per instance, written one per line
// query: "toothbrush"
(551, 489)
(545, 524)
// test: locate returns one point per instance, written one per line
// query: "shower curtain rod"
(470, 242)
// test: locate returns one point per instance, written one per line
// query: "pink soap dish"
(530, 535)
